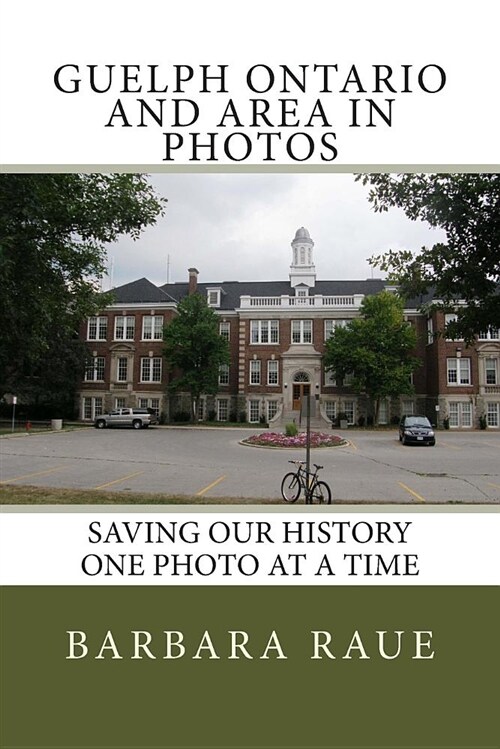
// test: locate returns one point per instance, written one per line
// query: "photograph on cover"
(233, 323)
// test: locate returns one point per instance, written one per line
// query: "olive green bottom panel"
(250, 667)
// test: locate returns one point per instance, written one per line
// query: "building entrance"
(301, 387)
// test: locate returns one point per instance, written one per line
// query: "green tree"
(54, 229)
(194, 347)
(376, 349)
(464, 267)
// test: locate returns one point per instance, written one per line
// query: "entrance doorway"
(301, 387)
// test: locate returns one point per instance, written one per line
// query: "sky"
(238, 227)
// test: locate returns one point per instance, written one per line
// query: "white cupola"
(302, 269)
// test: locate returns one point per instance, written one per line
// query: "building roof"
(140, 291)
(143, 291)
(232, 291)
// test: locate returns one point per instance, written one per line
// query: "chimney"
(193, 280)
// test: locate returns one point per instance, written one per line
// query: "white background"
(48, 548)
(40, 125)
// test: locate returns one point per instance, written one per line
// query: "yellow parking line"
(450, 447)
(31, 475)
(351, 444)
(210, 486)
(117, 481)
(414, 494)
(496, 486)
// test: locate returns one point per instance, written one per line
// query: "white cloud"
(239, 227)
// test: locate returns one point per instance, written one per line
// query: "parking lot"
(374, 467)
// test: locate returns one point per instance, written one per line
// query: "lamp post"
(308, 446)
(14, 401)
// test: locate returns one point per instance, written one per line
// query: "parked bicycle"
(315, 491)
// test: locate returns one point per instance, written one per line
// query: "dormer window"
(213, 297)
(301, 295)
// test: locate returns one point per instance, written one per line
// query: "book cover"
(194, 606)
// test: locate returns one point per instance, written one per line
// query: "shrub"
(446, 422)
(211, 415)
(369, 420)
(291, 430)
(181, 416)
(233, 417)
(243, 417)
(483, 422)
(361, 421)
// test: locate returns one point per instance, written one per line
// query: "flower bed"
(278, 439)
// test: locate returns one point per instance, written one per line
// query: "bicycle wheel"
(290, 487)
(321, 494)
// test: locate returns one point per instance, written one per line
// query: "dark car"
(416, 430)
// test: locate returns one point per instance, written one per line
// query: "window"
(272, 372)
(91, 408)
(151, 403)
(407, 408)
(490, 368)
(253, 410)
(94, 371)
(222, 409)
(450, 319)
(348, 409)
(301, 331)
(255, 372)
(330, 326)
(331, 410)
(492, 334)
(329, 378)
(124, 328)
(301, 296)
(460, 414)
(151, 369)
(120, 403)
(201, 409)
(122, 370)
(430, 330)
(272, 409)
(152, 328)
(97, 329)
(224, 374)
(224, 330)
(383, 411)
(264, 331)
(493, 414)
(213, 297)
(458, 371)
(347, 379)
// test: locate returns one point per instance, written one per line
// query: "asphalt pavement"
(463, 467)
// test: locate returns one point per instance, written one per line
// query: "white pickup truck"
(126, 417)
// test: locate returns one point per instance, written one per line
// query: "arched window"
(301, 377)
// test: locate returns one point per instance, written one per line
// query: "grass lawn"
(38, 495)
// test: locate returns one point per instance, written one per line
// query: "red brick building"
(276, 332)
